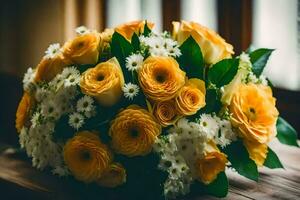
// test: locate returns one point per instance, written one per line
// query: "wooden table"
(19, 180)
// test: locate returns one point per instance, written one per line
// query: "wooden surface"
(19, 180)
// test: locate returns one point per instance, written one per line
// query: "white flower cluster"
(251, 77)
(85, 108)
(160, 45)
(186, 142)
(28, 80)
(53, 100)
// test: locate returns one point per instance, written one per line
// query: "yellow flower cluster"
(171, 92)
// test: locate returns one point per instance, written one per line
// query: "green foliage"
(191, 60)
(135, 42)
(272, 161)
(218, 188)
(240, 160)
(223, 72)
(147, 30)
(259, 59)
(121, 48)
(286, 134)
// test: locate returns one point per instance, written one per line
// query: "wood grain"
(16, 174)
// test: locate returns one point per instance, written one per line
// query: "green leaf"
(147, 30)
(239, 158)
(135, 42)
(223, 72)
(218, 188)
(213, 103)
(121, 48)
(272, 161)
(191, 60)
(286, 134)
(259, 59)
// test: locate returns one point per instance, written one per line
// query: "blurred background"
(27, 27)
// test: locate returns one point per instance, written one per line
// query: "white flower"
(28, 78)
(174, 51)
(263, 80)
(134, 62)
(85, 105)
(41, 94)
(51, 110)
(35, 120)
(208, 125)
(76, 120)
(69, 71)
(159, 52)
(61, 171)
(72, 80)
(53, 50)
(130, 90)
(81, 30)
(244, 57)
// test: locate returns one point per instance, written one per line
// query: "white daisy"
(61, 171)
(174, 51)
(134, 62)
(208, 125)
(28, 78)
(50, 109)
(69, 71)
(72, 80)
(53, 50)
(81, 30)
(130, 90)
(159, 51)
(263, 80)
(76, 120)
(85, 105)
(35, 120)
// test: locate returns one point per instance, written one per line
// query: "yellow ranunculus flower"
(133, 131)
(86, 156)
(191, 97)
(127, 29)
(209, 166)
(84, 49)
(48, 68)
(113, 177)
(254, 112)
(257, 151)
(161, 78)
(23, 111)
(104, 82)
(214, 48)
(165, 112)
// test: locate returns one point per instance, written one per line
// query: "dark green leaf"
(286, 134)
(218, 188)
(272, 161)
(223, 72)
(121, 48)
(239, 158)
(135, 42)
(191, 60)
(259, 59)
(213, 103)
(147, 30)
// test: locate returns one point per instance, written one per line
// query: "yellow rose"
(165, 112)
(104, 82)
(211, 164)
(113, 177)
(84, 49)
(133, 131)
(86, 156)
(257, 151)
(48, 68)
(214, 48)
(23, 111)
(191, 97)
(254, 112)
(127, 29)
(161, 78)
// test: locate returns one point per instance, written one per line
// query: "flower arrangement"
(151, 115)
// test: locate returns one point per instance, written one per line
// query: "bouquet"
(151, 115)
